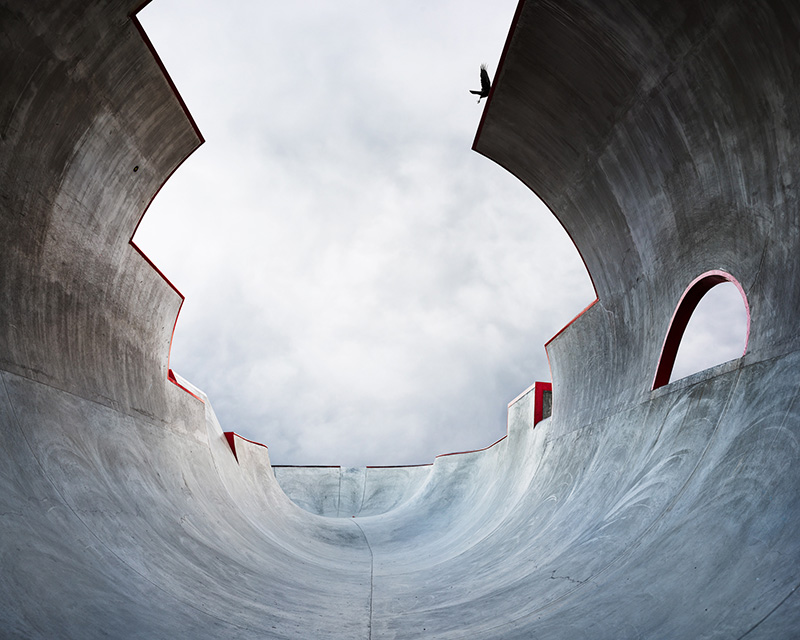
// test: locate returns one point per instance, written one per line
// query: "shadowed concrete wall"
(663, 135)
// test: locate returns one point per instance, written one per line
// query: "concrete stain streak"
(371, 575)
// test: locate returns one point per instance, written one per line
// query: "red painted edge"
(538, 401)
(260, 444)
(499, 69)
(156, 269)
(458, 453)
(523, 394)
(680, 319)
(167, 77)
(306, 466)
(538, 388)
(230, 435)
(398, 466)
(497, 75)
(157, 58)
(338, 466)
(171, 377)
(141, 6)
(571, 322)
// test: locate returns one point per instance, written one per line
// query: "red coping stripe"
(571, 322)
(497, 76)
(680, 319)
(498, 71)
(398, 466)
(170, 374)
(458, 453)
(538, 402)
(539, 388)
(157, 58)
(229, 436)
(167, 77)
(306, 466)
(171, 377)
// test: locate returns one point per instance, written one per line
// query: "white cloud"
(361, 287)
(716, 333)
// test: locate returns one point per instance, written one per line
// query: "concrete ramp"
(664, 137)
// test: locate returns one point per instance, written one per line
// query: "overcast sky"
(361, 287)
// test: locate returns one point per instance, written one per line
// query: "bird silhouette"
(486, 84)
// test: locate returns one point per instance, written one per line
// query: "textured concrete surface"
(346, 492)
(664, 137)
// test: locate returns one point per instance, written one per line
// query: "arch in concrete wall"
(687, 304)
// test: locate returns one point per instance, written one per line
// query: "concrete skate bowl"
(663, 135)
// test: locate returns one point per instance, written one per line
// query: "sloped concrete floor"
(662, 136)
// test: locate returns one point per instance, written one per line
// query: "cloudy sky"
(361, 287)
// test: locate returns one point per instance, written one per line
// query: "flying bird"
(486, 84)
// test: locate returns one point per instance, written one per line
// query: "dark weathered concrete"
(663, 135)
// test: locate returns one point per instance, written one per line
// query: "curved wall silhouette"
(663, 135)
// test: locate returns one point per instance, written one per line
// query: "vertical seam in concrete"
(363, 492)
(339, 496)
(371, 577)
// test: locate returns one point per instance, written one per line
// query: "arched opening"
(718, 332)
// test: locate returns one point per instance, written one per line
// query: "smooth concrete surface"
(347, 492)
(663, 135)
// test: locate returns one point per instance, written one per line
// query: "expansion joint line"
(773, 610)
(339, 495)
(363, 493)
(371, 576)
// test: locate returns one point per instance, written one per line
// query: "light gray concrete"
(347, 492)
(662, 134)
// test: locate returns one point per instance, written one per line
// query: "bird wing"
(485, 82)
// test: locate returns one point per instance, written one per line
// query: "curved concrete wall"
(662, 135)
